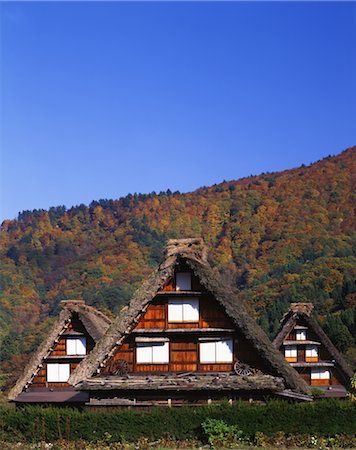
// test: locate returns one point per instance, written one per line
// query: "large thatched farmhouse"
(309, 350)
(73, 336)
(184, 338)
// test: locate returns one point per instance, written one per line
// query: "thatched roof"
(303, 312)
(94, 321)
(194, 253)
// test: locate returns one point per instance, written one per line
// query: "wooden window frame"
(176, 280)
(76, 338)
(319, 372)
(180, 302)
(58, 367)
(148, 344)
(310, 349)
(299, 333)
(290, 348)
(216, 341)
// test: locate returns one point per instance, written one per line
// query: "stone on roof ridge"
(302, 308)
(192, 247)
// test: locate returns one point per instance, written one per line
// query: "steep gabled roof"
(94, 321)
(303, 311)
(194, 253)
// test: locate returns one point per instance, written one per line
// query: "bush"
(221, 434)
(317, 392)
(325, 418)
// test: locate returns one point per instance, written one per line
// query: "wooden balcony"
(306, 342)
(312, 364)
(150, 331)
(66, 358)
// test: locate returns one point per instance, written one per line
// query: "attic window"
(216, 351)
(183, 281)
(58, 373)
(76, 346)
(152, 352)
(300, 335)
(183, 310)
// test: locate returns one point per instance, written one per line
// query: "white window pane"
(324, 375)
(160, 352)
(76, 346)
(71, 347)
(290, 351)
(144, 353)
(317, 374)
(63, 372)
(52, 372)
(58, 372)
(191, 310)
(301, 335)
(175, 311)
(184, 281)
(311, 351)
(224, 351)
(81, 345)
(207, 352)
(320, 374)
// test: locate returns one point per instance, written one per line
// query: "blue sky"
(103, 99)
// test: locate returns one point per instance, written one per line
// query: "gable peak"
(192, 248)
(302, 308)
(70, 304)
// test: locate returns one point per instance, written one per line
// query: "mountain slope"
(279, 237)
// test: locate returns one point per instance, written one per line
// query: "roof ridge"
(194, 248)
(302, 308)
(79, 304)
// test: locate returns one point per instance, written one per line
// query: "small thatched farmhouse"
(184, 338)
(73, 336)
(309, 350)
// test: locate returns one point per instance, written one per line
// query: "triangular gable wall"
(184, 336)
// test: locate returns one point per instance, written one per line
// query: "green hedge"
(325, 418)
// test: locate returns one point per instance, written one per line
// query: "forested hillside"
(278, 237)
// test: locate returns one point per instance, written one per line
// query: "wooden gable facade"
(188, 330)
(184, 338)
(310, 352)
(68, 349)
(72, 338)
